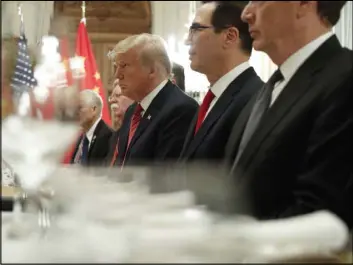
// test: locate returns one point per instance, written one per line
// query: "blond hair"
(152, 51)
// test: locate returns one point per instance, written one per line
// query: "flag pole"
(83, 8)
(19, 8)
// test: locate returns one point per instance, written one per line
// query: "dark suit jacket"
(112, 145)
(299, 158)
(162, 130)
(99, 146)
(211, 139)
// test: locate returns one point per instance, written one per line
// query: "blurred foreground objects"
(104, 215)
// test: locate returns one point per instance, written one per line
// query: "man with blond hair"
(155, 126)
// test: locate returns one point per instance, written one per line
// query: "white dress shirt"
(90, 132)
(147, 100)
(220, 86)
(292, 64)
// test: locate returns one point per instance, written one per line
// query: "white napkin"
(317, 233)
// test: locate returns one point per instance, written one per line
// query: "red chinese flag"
(92, 78)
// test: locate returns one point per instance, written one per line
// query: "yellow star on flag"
(97, 76)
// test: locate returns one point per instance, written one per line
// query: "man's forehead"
(128, 55)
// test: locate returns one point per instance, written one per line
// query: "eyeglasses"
(199, 27)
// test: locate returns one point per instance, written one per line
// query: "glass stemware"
(41, 128)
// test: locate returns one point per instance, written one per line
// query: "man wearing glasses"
(220, 48)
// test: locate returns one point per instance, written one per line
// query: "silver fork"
(44, 221)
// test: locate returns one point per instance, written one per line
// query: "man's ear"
(231, 36)
(304, 7)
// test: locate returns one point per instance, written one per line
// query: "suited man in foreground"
(220, 47)
(296, 147)
(92, 147)
(154, 128)
(118, 104)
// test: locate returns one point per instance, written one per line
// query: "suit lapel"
(95, 133)
(238, 129)
(152, 111)
(124, 131)
(291, 94)
(189, 136)
(76, 149)
(219, 108)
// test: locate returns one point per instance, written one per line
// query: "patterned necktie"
(82, 151)
(204, 108)
(260, 107)
(115, 154)
(85, 146)
(135, 121)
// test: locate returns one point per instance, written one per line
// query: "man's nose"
(247, 15)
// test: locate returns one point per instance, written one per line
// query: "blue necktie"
(84, 154)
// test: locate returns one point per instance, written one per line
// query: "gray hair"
(92, 99)
(153, 50)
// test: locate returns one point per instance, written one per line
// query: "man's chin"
(194, 66)
(258, 45)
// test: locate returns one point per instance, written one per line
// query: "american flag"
(22, 79)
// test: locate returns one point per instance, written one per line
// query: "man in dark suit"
(295, 137)
(93, 145)
(118, 105)
(220, 47)
(178, 76)
(154, 128)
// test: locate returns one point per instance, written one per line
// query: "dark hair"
(179, 76)
(228, 13)
(330, 10)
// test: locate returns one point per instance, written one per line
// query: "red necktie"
(115, 154)
(135, 121)
(204, 108)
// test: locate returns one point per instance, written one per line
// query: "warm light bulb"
(77, 66)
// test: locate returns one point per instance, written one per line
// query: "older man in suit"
(295, 137)
(220, 47)
(93, 145)
(118, 104)
(154, 128)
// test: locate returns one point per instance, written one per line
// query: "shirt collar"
(220, 86)
(90, 132)
(147, 100)
(292, 64)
